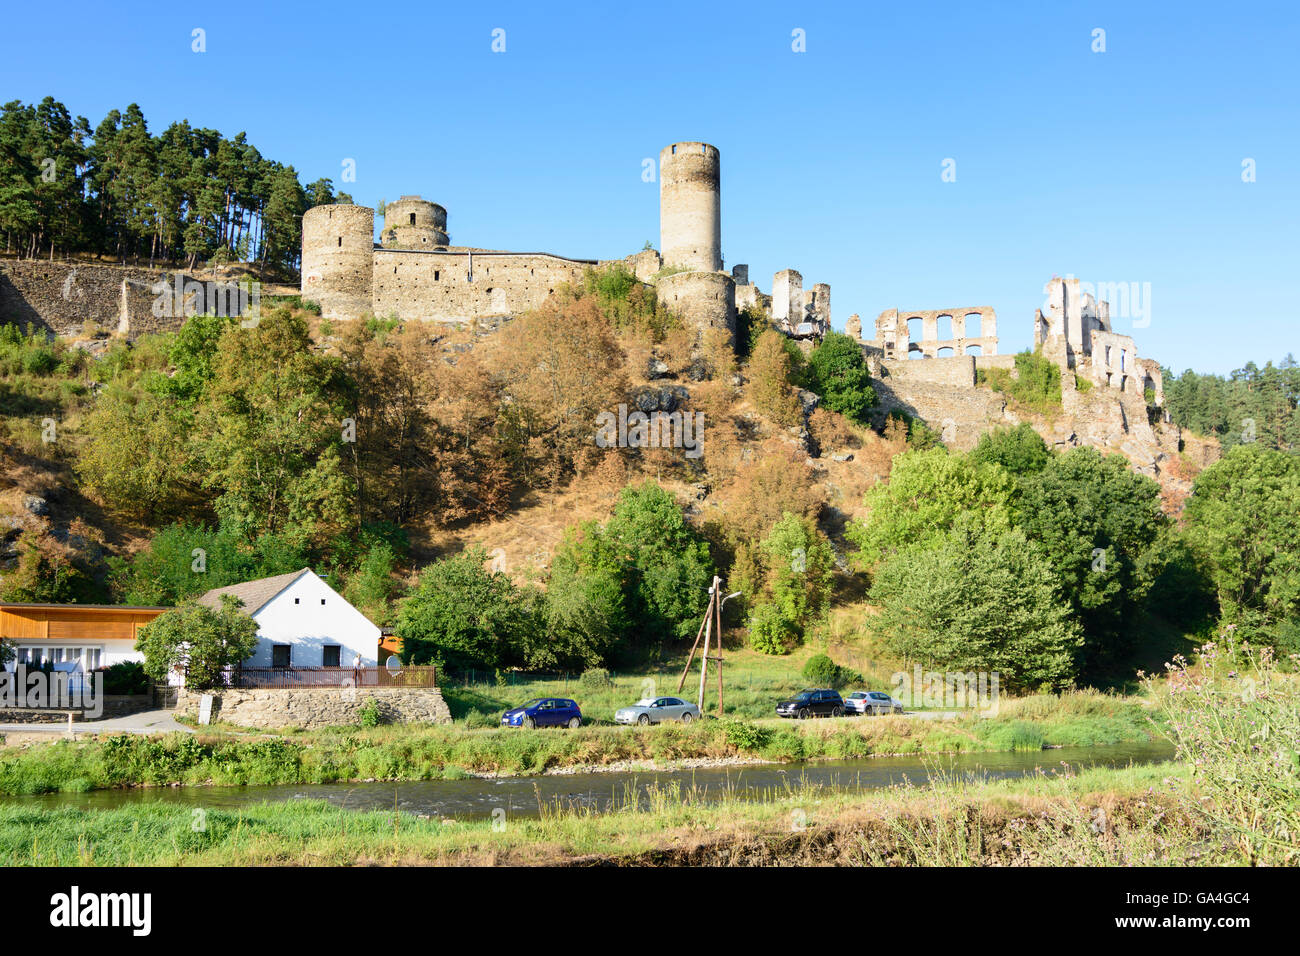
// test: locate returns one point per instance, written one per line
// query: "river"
(477, 798)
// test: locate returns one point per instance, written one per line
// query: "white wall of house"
(310, 616)
(92, 654)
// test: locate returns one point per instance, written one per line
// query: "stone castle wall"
(62, 297)
(278, 707)
(456, 286)
(959, 370)
(703, 299)
(985, 362)
(966, 328)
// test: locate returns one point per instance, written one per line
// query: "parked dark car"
(544, 712)
(819, 702)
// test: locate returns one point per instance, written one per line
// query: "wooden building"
(97, 635)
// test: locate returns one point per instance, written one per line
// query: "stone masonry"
(307, 707)
(64, 297)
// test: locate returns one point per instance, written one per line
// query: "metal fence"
(422, 676)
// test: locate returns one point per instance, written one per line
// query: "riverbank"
(409, 753)
(1106, 817)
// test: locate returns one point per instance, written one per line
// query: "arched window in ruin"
(946, 330)
(915, 328)
(974, 350)
(973, 324)
(945, 352)
(914, 352)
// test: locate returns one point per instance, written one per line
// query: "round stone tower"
(338, 244)
(704, 300)
(690, 209)
(414, 223)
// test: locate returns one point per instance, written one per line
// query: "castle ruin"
(415, 273)
(925, 363)
(1076, 334)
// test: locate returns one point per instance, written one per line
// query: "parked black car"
(818, 702)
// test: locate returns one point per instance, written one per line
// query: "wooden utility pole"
(712, 623)
(708, 631)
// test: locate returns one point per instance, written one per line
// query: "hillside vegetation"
(448, 482)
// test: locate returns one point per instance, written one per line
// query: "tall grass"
(1235, 720)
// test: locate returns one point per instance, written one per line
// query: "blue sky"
(1122, 166)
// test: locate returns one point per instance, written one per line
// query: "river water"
(477, 798)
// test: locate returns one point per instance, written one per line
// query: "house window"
(412, 219)
(322, 600)
(296, 601)
(280, 655)
(330, 655)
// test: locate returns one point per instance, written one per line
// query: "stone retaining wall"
(65, 296)
(277, 707)
(115, 705)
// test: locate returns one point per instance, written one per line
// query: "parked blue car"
(544, 712)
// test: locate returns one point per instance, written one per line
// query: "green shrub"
(1037, 385)
(126, 677)
(821, 670)
(785, 745)
(595, 678)
(824, 672)
(769, 631)
(743, 735)
(369, 714)
(40, 361)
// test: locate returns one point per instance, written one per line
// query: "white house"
(302, 622)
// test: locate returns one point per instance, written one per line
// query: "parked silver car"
(871, 702)
(655, 710)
